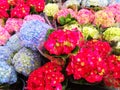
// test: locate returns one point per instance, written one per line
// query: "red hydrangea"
(37, 4)
(63, 42)
(47, 77)
(3, 14)
(112, 78)
(4, 5)
(14, 2)
(20, 10)
(90, 62)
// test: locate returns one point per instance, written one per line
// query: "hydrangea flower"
(25, 61)
(112, 34)
(7, 73)
(33, 17)
(5, 54)
(51, 9)
(90, 31)
(85, 16)
(4, 36)
(13, 24)
(33, 33)
(14, 43)
(101, 3)
(104, 18)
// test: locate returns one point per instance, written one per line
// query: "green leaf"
(75, 50)
(68, 16)
(67, 20)
(62, 20)
(49, 32)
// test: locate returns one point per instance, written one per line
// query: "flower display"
(25, 61)
(85, 16)
(51, 9)
(57, 44)
(7, 73)
(36, 30)
(14, 43)
(112, 34)
(47, 77)
(13, 25)
(4, 35)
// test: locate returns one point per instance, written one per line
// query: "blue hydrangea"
(32, 33)
(14, 43)
(101, 3)
(7, 73)
(114, 1)
(5, 53)
(26, 60)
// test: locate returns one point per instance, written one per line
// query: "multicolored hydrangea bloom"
(25, 61)
(89, 31)
(104, 18)
(51, 9)
(112, 34)
(13, 24)
(33, 17)
(14, 43)
(5, 54)
(85, 16)
(7, 73)
(4, 36)
(33, 33)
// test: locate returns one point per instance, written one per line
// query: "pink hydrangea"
(4, 36)
(85, 16)
(65, 12)
(104, 18)
(13, 24)
(34, 17)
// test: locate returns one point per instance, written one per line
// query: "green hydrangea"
(112, 34)
(89, 31)
(26, 60)
(51, 9)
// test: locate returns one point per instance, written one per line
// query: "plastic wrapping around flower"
(5, 54)
(104, 18)
(51, 9)
(114, 1)
(33, 33)
(47, 77)
(70, 3)
(90, 62)
(4, 36)
(112, 34)
(63, 42)
(13, 24)
(7, 73)
(26, 60)
(89, 31)
(14, 43)
(65, 15)
(33, 17)
(101, 3)
(85, 16)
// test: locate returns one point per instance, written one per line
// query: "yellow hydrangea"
(51, 9)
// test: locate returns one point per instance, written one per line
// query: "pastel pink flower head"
(85, 16)
(65, 12)
(104, 18)
(4, 36)
(34, 17)
(13, 24)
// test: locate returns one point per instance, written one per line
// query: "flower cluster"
(48, 77)
(89, 63)
(63, 42)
